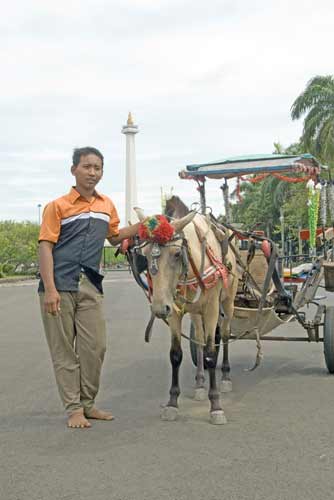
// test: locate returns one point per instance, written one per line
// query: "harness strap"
(150, 286)
(193, 266)
(219, 265)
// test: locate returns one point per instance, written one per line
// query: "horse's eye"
(177, 255)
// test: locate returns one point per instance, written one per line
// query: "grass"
(109, 259)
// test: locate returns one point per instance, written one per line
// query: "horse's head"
(166, 264)
(176, 208)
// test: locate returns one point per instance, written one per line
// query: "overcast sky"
(203, 79)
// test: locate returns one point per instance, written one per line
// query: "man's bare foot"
(99, 414)
(77, 420)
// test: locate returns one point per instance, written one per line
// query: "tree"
(256, 207)
(262, 202)
(18, 244)
(317, 103)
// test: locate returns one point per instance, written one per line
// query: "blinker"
(185, 261)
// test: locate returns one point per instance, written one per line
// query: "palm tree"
(317, 102)
(277, 189)
(279, 149)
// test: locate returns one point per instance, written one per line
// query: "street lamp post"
(300, 243)
(282, 230)
(39, 213)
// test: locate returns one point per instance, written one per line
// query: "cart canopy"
(253, 164)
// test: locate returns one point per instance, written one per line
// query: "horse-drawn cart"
(257, 314)
(189, 262)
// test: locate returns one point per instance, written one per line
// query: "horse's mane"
(176, 208)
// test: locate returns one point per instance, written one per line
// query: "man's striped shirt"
(78, 228)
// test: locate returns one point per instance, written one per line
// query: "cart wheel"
(329, 338)
(193, 346)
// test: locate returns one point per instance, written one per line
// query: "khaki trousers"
(77, 341)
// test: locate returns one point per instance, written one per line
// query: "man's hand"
(126, 244)
(124, 232)
(52, 302)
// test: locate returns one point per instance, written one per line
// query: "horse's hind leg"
(170, 411)
(200, 392)
(210, 321)
(226, 384)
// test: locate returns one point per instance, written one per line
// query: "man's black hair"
(79, 152)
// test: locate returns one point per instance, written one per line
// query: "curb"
(16, 280)
(33, 278)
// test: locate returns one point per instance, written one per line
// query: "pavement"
(278, 443)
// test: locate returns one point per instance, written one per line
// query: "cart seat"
(258, 266)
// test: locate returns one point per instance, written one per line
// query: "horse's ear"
(179, 224)
(140, 213)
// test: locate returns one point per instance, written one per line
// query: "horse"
(188, 274)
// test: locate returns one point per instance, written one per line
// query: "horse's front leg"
(217, 415)
(200, 392)
(170, 411)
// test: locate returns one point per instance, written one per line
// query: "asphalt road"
(277, 444)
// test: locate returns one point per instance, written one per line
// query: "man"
(71, 240)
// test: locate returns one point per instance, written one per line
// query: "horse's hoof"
(169, 413)
(218, 417)
(200, 394)
(226, 386)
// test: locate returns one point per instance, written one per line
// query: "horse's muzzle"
(162, 312)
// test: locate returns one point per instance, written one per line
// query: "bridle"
(187, 260)
(156, 254)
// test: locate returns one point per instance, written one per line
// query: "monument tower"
(130, 130)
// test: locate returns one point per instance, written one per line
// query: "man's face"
(88, 172)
